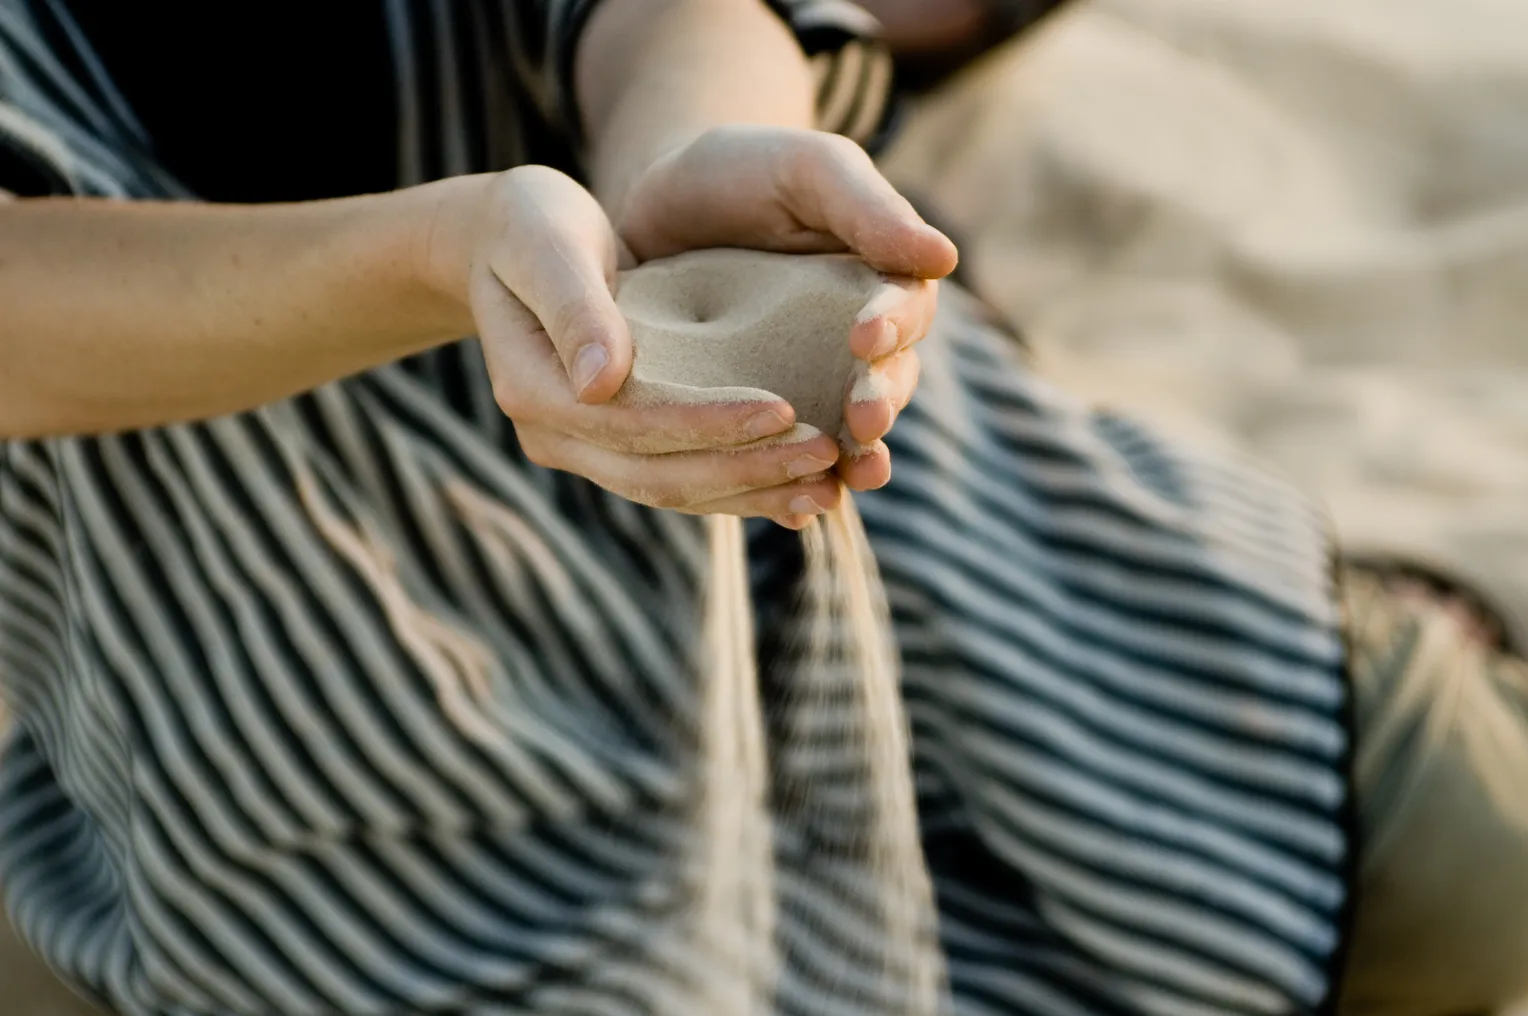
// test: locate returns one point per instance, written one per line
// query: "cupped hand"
(539, 258)
(799, 191)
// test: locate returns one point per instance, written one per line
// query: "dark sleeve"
(60, 132)
(31, 165)
(33, 159)
(854, 73)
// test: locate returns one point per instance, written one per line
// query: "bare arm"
(115, 315)
(653, 75)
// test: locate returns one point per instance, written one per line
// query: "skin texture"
(117, 315)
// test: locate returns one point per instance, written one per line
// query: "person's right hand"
(535, 257)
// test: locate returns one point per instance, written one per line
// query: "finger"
(625, 259)
(832, 185)
(795, 523)
(880, 393)
(531, 387)
(897, 315)
(868, 469)
(801, 501)
(684, 479)
(565, 278)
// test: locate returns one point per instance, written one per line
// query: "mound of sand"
(726, 324)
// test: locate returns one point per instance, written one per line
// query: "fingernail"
(887, 343)
(587, 365)
(801, 504)
(807, 465)
(765, 424)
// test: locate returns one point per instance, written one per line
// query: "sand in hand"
(731, 325)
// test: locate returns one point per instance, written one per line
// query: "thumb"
(561, 265)
(838, 189)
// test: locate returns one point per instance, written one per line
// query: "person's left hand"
(806, 192)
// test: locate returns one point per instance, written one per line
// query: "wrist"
(617, 169)
(655, 75)
(437, 230)
(617, 188)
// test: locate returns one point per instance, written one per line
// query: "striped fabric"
(244, 778)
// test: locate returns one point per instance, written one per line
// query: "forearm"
(118, 315)
(654, 74)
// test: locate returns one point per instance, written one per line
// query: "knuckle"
(816, 163)
(645, 485)
(838, 152)
(713, 138)
(768, 468)
(573, 324)
(559, 322)
(664, 498)
(538, 450)
(805, 156)
(509, 397)
(828, 495)
(526, 188)
(668, 501)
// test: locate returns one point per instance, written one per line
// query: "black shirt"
(241, 107)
